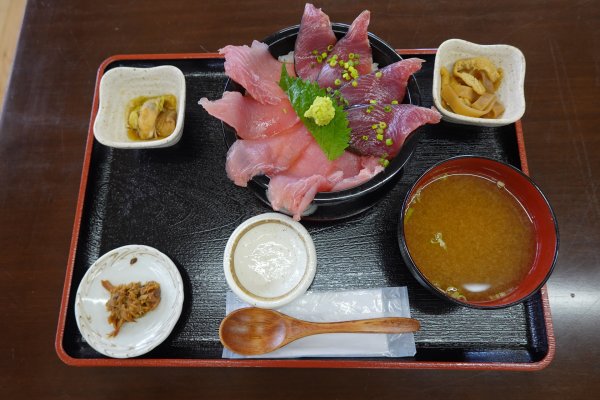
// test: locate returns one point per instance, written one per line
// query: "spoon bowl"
(255, 331)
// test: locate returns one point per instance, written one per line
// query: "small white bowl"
(122, 84)
(511, 91)
(269, 260)
(132, 263)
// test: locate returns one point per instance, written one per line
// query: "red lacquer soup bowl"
(533, 201)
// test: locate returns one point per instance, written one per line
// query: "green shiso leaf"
(333, 138)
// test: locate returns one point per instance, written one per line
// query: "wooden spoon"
(253, 331)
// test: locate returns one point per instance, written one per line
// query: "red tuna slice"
(314, 162)
(315, 34)
(256, 70)
(251, 119)
(292, 194)
(384, 86)
(356, 41)
(269, 156)
(401, 120)
(295, 189)
(370, 166)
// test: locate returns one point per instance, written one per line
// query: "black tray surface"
(180, 201)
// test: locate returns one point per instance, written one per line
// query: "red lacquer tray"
(359, 252)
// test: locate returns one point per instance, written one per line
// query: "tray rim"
(269, 363)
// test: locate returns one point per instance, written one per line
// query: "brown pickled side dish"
(470, 88)
(129, 302)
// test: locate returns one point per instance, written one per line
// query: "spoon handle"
(374, 325)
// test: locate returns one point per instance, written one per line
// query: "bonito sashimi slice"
(356, 42)
(268, 156)
(314, 37)
(383, 86)
(294, 190)
(249, 118)
(256, 70)
(381, 133)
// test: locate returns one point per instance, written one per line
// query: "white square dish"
(511, 91)
(122, 84)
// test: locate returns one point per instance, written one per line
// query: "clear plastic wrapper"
(342, 306)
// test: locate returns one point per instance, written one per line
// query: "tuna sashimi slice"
(313, 161)
(370, 166)
(293, 190)
(256, 70)
(315, 34)
(251, 119)
(293, 195)
(269, 156)
(356, 41)
(385, 85)
(396, 125)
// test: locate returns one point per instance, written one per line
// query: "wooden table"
(42, 138)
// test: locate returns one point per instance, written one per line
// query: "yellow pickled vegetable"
(470, 89)
(456, 103)
(466, 92)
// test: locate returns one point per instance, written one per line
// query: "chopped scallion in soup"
(469, 236)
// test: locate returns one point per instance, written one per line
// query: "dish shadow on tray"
(420, 299)
(394, 269)
(428, 303)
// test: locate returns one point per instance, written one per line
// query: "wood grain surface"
(42, 139)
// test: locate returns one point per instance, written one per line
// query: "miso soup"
(469, 236)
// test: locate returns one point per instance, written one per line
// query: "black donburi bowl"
(345, 203)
